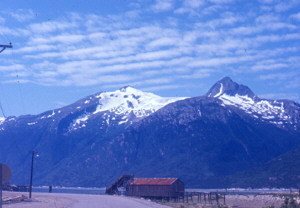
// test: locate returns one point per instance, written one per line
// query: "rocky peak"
(229, 87)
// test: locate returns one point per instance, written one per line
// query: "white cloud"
(245, 30)
(161, 87)
(273, 66)
(13, 67)
(221, 1)
(266, 1)
(220, 61)
(166, 41)
(290, 96)
(278, 76)
(36, 48)
(197, 74)
(268, 18)
(293, 83)
(64, 38)
(52, 26)
(23, 15)
(193, 3)
(117, 50)
(212, 9)
(155, 81)
(296, 16)
(2, 20)
(162, 5)
(15, 81)
(18, 32)
(191, 7)
(286, 5)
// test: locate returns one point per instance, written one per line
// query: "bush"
(290, 203)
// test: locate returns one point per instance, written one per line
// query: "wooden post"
(31, 173)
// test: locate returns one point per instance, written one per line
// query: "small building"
(155, 188)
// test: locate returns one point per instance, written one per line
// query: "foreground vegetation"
(250, 201)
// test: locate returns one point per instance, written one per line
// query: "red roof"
(152, 181)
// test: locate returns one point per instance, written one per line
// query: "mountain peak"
(229, 87)
(128, 99)
(123, 89)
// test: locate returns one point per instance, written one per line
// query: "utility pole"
(5, 46)
(1, 165)
(1, 168)
(33, 152)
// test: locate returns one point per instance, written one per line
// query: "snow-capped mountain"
(115, 108)
(201, 139)
(124, 105)
(283, 113)
(126, 101)
(129, 100)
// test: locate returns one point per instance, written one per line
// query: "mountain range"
(228, 137)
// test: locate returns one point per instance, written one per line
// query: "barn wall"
(175, 189)
(149, 190)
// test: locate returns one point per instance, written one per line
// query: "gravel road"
(55, 200)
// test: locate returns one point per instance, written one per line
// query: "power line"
(10, 133)
(4, 115)
(18, 83)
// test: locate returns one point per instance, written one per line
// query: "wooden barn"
(155, 188)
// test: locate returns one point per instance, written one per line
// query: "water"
(82, 190)
(70, 190)
(247, 191)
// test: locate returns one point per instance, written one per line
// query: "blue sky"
(66, 50)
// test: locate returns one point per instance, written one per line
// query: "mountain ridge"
(199, 139)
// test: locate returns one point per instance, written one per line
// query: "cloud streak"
(155, 53)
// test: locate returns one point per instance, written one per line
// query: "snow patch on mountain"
(2, 119)
(78, 123)
(128, 99)
(122, 104)
(221, 91)
(49, 115)
(270, 110)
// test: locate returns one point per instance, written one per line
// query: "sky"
(66, 50)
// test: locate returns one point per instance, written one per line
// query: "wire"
(18, 83)
(10, 133)
(5, 117)
(5, 37)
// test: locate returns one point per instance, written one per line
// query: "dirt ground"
(60, 200)
(55, 200)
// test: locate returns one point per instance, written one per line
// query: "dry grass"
(234, 201)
